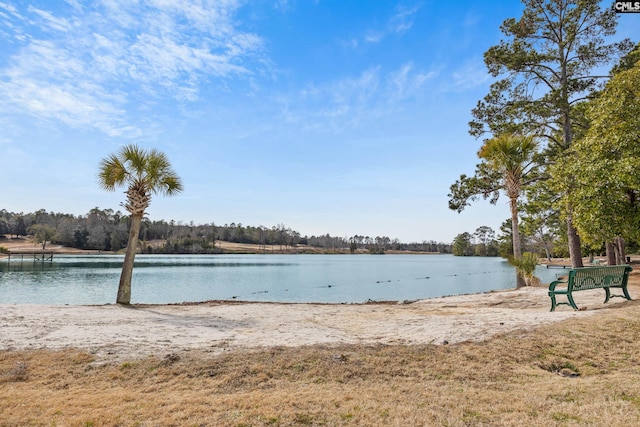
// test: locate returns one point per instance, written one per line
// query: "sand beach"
(112, 332)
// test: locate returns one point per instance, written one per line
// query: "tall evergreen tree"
(546, 67)
(605, 163)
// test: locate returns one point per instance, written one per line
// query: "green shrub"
(527, 267)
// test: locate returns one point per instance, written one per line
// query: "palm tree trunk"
(124, 288)
(515, 235)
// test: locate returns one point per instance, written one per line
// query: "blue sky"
(340, 117)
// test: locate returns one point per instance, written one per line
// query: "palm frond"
(142, 171)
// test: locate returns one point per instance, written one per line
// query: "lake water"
(161, 279)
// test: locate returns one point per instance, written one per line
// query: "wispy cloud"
(49, 21)
(471, 74)
(407, 82)
(86, 65)
(403, 19)
(352, 101)
(400, 22)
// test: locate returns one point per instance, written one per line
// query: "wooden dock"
(34, 256)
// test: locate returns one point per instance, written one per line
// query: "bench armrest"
(552, 285)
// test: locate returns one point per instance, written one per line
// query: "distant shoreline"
(26, 246)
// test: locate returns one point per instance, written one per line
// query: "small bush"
(527, 267)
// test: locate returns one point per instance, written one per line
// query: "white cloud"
(48, 82)
(44, 60)
(76, 4)
(374, 37)
(50, 21)
(96, 61)
(470, 75)
(405, 83)
(10, 23)
(66, 104)
(403, 19)
(400, 22)
(351, 102)
(7, 10)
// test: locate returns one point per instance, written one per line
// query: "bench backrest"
(598, 277)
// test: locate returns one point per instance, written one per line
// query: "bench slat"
(598, 277)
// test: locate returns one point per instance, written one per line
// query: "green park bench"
(580, 279)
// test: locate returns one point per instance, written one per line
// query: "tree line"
(485, 242)
(107, 230)
(560, 136)
(482, 242)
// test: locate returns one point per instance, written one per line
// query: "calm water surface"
(161, 279)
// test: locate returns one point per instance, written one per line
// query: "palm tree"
(143, 172)
(512, 157)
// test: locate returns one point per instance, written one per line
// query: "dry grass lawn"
(511, 380)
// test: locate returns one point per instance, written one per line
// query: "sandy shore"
(112, 332)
